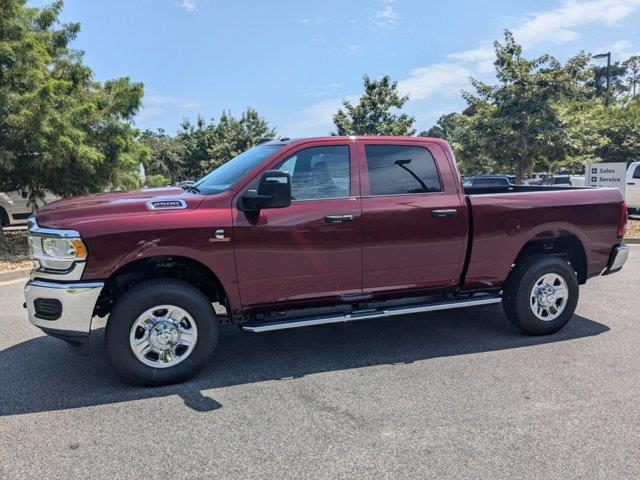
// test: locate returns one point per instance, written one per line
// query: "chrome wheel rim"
(163, 336)
(549, 297)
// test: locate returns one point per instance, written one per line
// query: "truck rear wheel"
(161, 332)
(541, 294)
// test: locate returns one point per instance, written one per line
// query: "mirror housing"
(274, 191)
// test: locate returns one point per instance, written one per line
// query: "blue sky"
(295, 61)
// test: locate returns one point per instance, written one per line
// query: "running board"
(371, 314)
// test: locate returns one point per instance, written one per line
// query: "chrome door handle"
(452, 212)
(338, 218)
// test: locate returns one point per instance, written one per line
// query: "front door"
(414, 226)
(313, 248)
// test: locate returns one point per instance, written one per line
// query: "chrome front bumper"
(617, 259)
(62, 309)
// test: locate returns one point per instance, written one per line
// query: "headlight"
(54, 253)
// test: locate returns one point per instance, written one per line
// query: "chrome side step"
(371, 314)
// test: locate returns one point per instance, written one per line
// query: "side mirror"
(274, 191)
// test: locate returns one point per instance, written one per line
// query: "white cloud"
(482, 57)
(313, 21)
(148, 112)
(354, 47)
(558, 25)
(476, 55)
(321, 92)
(442, 77)
(188, 5)
(444, 81)
(157, 100)
(316, 120)
(620, 50)
(385, 18)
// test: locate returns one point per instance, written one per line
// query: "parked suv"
(15, 208)
(632, 190)
(488, 181)
(296, 233)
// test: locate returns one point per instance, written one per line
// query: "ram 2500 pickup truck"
(295, 233)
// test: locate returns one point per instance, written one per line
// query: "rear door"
(414, 222)
(312, 249)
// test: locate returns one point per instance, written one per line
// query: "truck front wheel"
(541, 294)
(161, 332)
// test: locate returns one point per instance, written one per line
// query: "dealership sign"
(606, 175)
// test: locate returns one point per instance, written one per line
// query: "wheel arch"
(179, 267)
(563, 243)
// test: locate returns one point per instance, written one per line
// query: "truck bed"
(504, 219)
(519, 189)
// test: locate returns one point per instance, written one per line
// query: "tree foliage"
(374, 112)
(618, 84)
(200, 146)
(233, 136)
(632, 64)
(517, 121)
(542, 115)
(60, 129)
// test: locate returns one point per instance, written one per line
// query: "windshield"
(229, 173)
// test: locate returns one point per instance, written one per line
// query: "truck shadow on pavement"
(45, 374)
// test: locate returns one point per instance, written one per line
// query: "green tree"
(233, 136)
(200, 146)
(597, 133)
(632, 64)
(617, 80)
(373, 114)
(166, 157)
(195, 142)
(517, 121)
(445, 127)
(60, 130)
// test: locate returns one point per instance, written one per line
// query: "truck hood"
(70, 212)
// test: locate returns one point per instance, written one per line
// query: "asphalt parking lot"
(446, 395)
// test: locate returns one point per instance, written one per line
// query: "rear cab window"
(401, 170)
(636, 173)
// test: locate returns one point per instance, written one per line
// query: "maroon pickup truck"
(294, 233)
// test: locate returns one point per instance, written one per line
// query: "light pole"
(608, 55)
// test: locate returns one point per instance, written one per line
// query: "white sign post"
(606, 175)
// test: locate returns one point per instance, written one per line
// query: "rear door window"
(636, 173)
(401, 170)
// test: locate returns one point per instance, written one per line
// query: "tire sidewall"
(140, 299)
(526, 318)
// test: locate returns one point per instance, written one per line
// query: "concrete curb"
(14, 275)
(632, 241)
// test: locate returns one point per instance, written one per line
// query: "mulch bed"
(633, 229)
(15, 255)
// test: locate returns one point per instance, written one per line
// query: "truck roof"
(289, 141)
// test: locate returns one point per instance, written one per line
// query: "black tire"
(517, 293)
(4, 218)
(140, 299)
